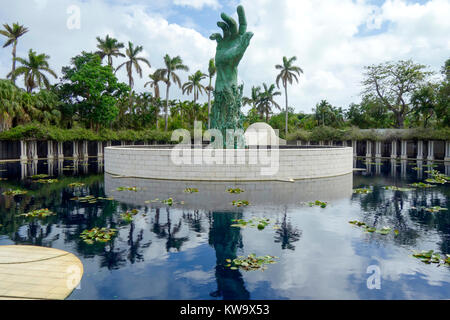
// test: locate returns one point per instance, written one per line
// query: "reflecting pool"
(180, 251)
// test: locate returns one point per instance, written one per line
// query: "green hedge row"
(39, 132)
(328, 133)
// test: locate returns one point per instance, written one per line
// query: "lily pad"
(362, 191)
(259, 223)
(235, 190)
(14, 192)
(40, 176)
(394, 188)
(135, 189)
(251, 262)
(40, 213)
(240, 203)
(98, 235)
(191, 190)
(129, 215)
(318, 203)
(421, 185)
(76, 185)
(46, 181)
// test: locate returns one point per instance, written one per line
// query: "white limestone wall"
(292, 164)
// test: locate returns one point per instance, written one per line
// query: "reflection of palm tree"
(166, 231)
(194, 220)
(172, 241)
(135, 253)
(287, 234)
(226, 240)
(112, 259)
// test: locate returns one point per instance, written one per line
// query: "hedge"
(36, 131)
(329, 133)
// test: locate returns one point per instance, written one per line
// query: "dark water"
(179, 252)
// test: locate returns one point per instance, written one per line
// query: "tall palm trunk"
(13, 77)
(195, 101)
(167, 107)
(209, 103)
(285, 92)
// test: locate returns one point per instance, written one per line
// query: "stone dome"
(262, 134)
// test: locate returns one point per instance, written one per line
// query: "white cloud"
(198, 4)
(324, 35)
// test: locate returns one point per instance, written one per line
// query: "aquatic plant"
(260, 223)
(97, 235)
(40, 213)
(394, 188)
(421, 185)
(89, 199)
(135, 189)
(362, 191)
(240, 203)
(47, 181)
(169, 201)
(40, 176)
(367, 228)
(129, 215)
(435, 209)
(234, 191)
(76, 185)
(318, 203)
(428, 256)
(251, 263)
(437, 177)
(191, 190)
(16, 192)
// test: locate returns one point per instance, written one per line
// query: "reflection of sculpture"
(226, 113)
(226, 240)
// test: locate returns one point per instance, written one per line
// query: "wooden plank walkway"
(31, 272)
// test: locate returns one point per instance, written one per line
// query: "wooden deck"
(31, 272)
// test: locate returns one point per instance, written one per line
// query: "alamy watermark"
(74, 19)
(374, 280)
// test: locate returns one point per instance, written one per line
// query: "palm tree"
(109, 47)
(133, 60)
(13, 34)
(193, 85)
(32, 70)
(266, 100)
(211, 72)
(287, 75)
(10, 104)
(172, 65)
(253, 99)
(155, 77)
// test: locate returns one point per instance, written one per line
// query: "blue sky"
(332, 39)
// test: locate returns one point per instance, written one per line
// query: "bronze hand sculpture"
(226, 113)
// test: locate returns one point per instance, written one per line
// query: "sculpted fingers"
(224, 27)
(232, 25)
(216, 36)
(242, 20)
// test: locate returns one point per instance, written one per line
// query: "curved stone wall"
(231, 165)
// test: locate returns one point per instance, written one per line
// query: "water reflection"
(180, 251)
(267, 195)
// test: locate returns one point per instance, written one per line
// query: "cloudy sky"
(332, 39)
